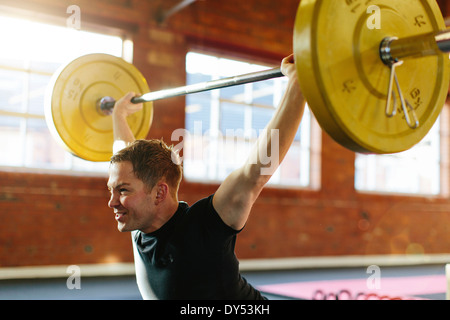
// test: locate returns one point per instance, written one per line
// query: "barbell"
(373, 87)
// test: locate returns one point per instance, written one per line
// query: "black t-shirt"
(192, 257)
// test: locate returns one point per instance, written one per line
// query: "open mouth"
(120, 216)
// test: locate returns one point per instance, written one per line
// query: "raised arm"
(123, 135)
(235, 197)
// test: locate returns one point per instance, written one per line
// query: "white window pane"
(12, 139)
(290, 172)
(89, 166)
(263, 92)
(26, 67)
(235, 93)
(232, 119)
(198, 114)
(12, 90)
(415, 171)
(37, 86)
(223, 124)
(260, 117)
(44, 66)
(42, 42)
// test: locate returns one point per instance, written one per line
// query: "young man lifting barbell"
(182, 251)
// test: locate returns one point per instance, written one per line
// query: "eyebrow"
(118, 186)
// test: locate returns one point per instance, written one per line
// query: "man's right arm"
(123, 136)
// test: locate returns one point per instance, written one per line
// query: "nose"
(113, 201)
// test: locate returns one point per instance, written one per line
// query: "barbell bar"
(106, 104)
(346, 71)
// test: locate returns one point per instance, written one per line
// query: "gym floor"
(270, 282)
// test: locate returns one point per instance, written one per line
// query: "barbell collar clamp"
(443, 40)
(393, 49)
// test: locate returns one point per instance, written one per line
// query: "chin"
(122, 228)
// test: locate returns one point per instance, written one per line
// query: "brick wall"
(57, 219)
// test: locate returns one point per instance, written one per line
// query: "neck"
(170, 207)
(165, 211)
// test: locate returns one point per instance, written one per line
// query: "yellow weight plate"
(70, 107)
(336, 47)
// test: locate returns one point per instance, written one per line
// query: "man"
(182, 251)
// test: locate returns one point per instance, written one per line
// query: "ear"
(162, 191)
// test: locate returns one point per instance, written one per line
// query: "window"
(31, 52)
(415, 171)
(223, 125)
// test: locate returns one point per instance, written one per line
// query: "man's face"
(130, 199)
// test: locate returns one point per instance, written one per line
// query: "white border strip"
(88, 270)
(127, 269)
(342, 262)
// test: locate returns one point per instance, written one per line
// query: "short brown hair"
(152, 160)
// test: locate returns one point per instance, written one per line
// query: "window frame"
(125, 32)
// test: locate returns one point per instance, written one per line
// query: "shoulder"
(202, 205)
(208, 216)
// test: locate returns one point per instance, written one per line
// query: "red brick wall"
(57, 219)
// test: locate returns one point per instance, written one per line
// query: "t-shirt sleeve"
(212, 221)
(216, 221)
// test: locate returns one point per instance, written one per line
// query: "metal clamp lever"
(391, 110)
